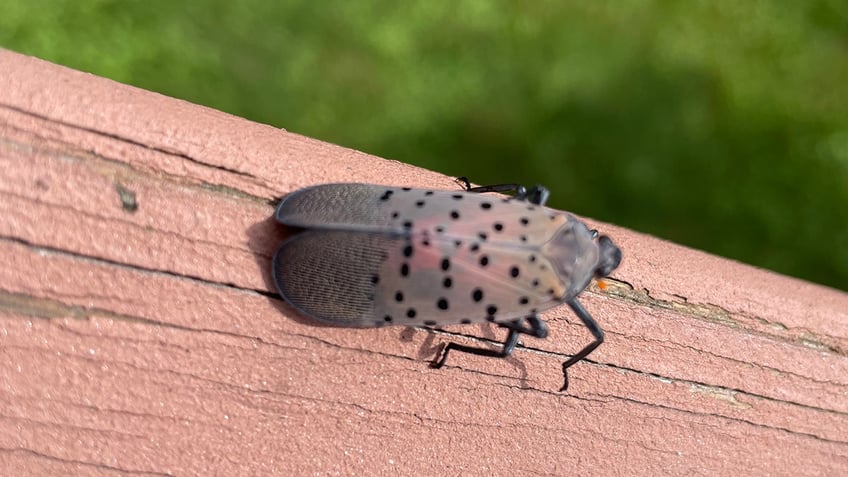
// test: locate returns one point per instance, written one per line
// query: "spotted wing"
(354, 278)
(340, 206)
(328, 275)
(444, 281)
(454, 215)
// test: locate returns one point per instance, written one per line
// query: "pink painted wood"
(139, 330)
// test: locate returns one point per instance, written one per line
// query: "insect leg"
(537, 328)
(536, 195)
(596, 331)
(506, 350)
(516, 189)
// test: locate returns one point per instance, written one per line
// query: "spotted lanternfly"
(372, 255)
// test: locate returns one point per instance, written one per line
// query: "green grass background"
(720, 124)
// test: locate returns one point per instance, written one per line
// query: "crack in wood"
(716, 314)
(116, 168)
(125, 139)
(95, 465)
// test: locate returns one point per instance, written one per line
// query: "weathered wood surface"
(140, 333)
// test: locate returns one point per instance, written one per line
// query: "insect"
(372, 255)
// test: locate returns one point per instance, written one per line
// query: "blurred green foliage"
(720, 124)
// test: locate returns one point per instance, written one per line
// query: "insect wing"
(456, 215)
(444, 281)
(339, 206)
(329, 274)
(354, 278)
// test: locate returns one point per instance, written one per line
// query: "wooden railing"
(140, 331)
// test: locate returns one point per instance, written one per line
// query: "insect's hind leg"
(537, 328)
(535, 195)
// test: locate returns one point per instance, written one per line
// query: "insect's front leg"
(535, 195)
(593, 327)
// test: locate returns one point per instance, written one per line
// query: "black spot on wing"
(477, 295)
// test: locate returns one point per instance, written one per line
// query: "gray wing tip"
(289, 210)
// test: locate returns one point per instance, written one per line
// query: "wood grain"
(140, 333)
